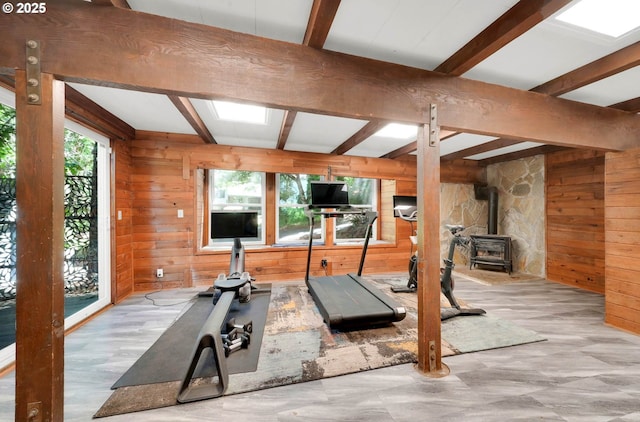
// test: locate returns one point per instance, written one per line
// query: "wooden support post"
(428, 189)
(40, 249)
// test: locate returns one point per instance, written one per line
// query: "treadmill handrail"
(311, 213)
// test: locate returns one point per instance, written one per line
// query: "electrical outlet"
(159, 273)
(323, 263)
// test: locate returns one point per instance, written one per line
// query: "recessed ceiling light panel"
(609, 17)
(398, 131)
(244, 113)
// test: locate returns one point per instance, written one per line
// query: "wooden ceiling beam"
(320, 19)
(84, 111)
(523, 16)
(185, 107)
(183, 104)
(357, 138)
(407, 149)
(482, 148)
(604, 67)
(413, 146)
(333, 83)
(513, 23)
(285, 129)
(543, 149)
(632, 105)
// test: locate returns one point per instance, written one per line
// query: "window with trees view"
(236, 204)
(86, 268)
(362, 194)
(293, 196)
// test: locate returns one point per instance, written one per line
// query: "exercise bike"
(446, 280)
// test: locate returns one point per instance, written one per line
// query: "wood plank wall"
(622, 225)
(123, 269)
(164, 177)
(575, 218)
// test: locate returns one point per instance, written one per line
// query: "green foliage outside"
(78, 150)
(294, 190)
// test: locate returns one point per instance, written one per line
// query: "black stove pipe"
(492, 220)
(490, 193)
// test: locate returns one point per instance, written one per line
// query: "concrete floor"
(586, 371)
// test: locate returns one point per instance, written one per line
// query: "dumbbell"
(246, 328)
(237, 344)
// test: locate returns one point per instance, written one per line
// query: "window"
(362, 194)
(293, 196)
(236, 206)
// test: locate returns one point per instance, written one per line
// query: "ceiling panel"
(506, 150)
(141, 110)
(418, 33)
(543, 53)
(284, 20)
(377, 146)
(320, 133)
(612, 90)
(463, 141)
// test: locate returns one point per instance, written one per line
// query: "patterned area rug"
(295, 330)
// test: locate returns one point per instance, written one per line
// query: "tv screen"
(406, 204)
(329, 194)
(236, 224)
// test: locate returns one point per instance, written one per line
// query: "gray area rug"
(484, 332)
(169, 357)
(294, 328)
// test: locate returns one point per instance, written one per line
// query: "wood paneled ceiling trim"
(334, 83)
(84, 111)
(321, 17)
(185, 107)
(632, 105)
(516, 21)
(285, 129)
(604, 67)
(523, 16)
(323, 12)
(365, 132)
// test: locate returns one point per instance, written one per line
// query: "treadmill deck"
(351, 301)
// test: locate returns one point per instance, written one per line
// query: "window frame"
(212, 204)
(374, 206)
(278, 206)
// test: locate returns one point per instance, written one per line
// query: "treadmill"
(346, 301)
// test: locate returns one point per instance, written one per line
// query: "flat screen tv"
(404, 203)
(235, 224)
(329, 195)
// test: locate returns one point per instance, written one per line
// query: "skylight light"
(610, 17)
(398, 131)
(244, 113)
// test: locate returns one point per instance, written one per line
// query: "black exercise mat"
(169, 357)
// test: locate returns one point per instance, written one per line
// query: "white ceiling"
(419, 33)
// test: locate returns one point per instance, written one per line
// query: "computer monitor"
(329, 195)
(235, 224)
(405, 204)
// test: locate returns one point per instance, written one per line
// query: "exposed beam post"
(428, 189)
(40, 249)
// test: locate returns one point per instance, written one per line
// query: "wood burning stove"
(491, 250)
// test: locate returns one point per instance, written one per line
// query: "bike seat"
(454, 228)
